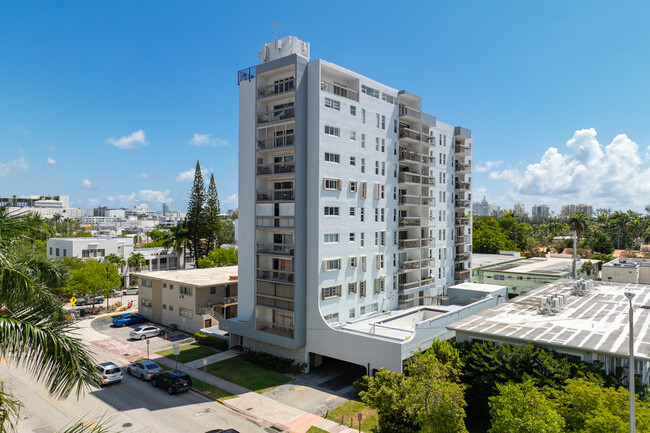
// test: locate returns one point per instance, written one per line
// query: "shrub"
(272, 362)
(361, 384)
(210, 341)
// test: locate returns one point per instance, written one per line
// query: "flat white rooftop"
(195, 277)
(596, 322)
(481, 260)
(555, 266)
(397, 324)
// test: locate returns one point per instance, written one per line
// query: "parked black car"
(173, 381)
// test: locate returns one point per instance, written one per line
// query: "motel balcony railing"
(339, 90)
(276, 89)
(274, 328)
(275, 142)
(275, 249)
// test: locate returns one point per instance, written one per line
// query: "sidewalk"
(213, 358)
(263, 410)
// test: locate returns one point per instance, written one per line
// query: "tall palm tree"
(578, 222)
(119, 262)
(137, 261)
(177, 238)
(34, 331)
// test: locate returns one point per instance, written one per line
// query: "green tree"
(589, 269)
(137, 261)
(177, 238)
(602, 244)
(579, 223)
(523, 408)
(488, 237)
(196, 216)
(35, 331)
(589, 407)
(427, 399)
(94, 278)
(219, 257)
(212, 216)
(157, 235)
(388, 393)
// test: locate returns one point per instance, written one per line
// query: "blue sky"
(104, 101)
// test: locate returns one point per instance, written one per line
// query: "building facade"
(540, 210)
(45, 206)
(519, 210)
(483, 208)
(582, 318)
(189, 299)
(352, 202)
(627, 270)
(570, 209)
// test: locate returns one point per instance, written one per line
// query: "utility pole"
(629, 294)
(573, 232)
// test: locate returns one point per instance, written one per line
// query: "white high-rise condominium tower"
(352, 202)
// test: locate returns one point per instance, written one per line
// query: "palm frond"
(9, 409)
(46, 348)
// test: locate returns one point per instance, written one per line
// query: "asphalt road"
(129, 406)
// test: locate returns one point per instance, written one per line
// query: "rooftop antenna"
(275, 26)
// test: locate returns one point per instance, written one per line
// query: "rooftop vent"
(552, 304)
(582, 287)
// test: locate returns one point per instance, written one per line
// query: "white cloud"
(122, 198)
(231, 200)
(489, 165)
(95, 201)
(86, 183)
(129, 141)
(17, 166)
(615, 175)
(207, 140)
(155, 196)
(51, 160)
(142, 175)
(188, 176)
(19, 128)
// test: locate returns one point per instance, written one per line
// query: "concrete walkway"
(263, 410)
(213, 358)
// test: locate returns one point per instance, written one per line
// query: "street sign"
(205, 361)
(73, 300)
(175, 349)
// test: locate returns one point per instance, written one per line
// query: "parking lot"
(156, 344)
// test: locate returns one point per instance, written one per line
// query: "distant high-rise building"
(519, 210)
(570, 209)
(541, 210)
(483, 208)
(165, 209)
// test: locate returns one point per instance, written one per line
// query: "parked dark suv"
(173, 381)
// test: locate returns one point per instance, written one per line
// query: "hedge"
(271, 362)
(210, 341)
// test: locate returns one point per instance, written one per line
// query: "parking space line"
(299, 388)
(331, 397)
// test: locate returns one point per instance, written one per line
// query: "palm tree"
(137, 261)
(116, 260)
(177, 239)
(578, 222)
(34, 331)
(589, 268)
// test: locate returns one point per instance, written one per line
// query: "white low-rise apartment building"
(45, 206)
(353, 202)
(98, 248)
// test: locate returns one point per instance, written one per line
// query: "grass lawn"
(247, 375)
(189, 352)
(351, 409)
(314, 429)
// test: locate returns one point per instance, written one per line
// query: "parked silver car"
(144, 369)
(109, 372)
(145, 331)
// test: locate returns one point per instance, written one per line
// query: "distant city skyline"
(109, 106)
